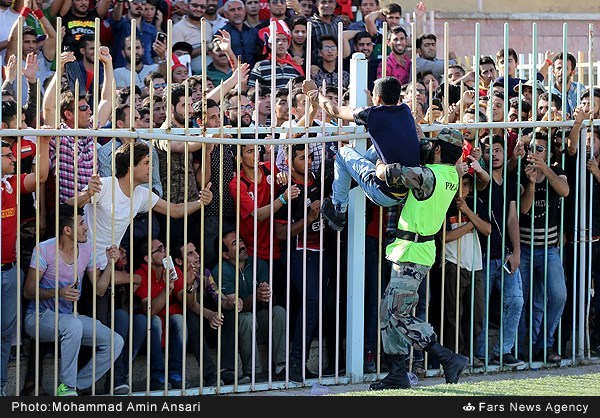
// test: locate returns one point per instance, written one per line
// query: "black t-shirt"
(546, 203)
(571, 210)
(497, 214)
(297, 214)
(76, 27)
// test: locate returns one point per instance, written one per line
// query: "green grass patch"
(575, 385)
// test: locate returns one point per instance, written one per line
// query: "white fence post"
(356, 239)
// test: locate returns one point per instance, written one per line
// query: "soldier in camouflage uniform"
(433, 188)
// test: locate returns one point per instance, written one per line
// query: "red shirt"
(9, 218)
(157, 286)
(246, 207)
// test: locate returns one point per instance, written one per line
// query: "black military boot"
(453, 364)
(397, 377)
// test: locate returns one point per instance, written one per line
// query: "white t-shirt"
(470, 250)
(123, 76)
(105, 209)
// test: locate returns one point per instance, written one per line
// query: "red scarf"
(290, 61)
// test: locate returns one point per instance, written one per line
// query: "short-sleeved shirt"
(392, 131)
(46, 264)
(105, 208)
(157, 285)
(246, 207)
(76, 27)
(496, 211)
(542, 207)
(298, 204)
(393, 134)
(470, 244)
(9, 217)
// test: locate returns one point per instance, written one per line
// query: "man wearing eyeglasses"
(121, 27)
(542, 187)
(189, 30)
(8, 253)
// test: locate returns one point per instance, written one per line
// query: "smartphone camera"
(170, 268)
(161, 36)
(438, 103)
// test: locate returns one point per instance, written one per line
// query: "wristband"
(231, 63)
(39, 14)
(282, 199)
(548, 62)
(25, 11)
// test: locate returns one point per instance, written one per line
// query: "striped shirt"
(320, 28)
(261, 73)
(66, 165)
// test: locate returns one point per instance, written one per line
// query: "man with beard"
(121, 26)
(213, 17)
(233, 110)
(188, 30)
(398, 64)
(176, 176)
(362, 42)
(123, 74)
(244, 38)
(79, 21)
(277, 10)
(564, 74)
(324, 22)
(427, 59)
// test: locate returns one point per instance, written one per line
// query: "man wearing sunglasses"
(189, 30)
(76, 109)
(542, 187)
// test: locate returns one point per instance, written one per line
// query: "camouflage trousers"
(399, 328)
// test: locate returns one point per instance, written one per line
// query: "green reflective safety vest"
(424, 217)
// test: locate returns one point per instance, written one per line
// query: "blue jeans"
(512, 305)
(73, 332)
(157, 364)
(9, 316)
(349, 164)
(556, 296)
(176, 343)
(312, 299)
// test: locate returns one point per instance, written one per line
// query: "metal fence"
(347, 258)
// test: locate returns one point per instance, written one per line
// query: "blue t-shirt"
(393, 133)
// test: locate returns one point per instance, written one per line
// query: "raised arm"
(105, 105)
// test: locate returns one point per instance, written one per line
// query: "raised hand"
(31, 67)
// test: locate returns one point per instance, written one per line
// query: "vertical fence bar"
(356, 246)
